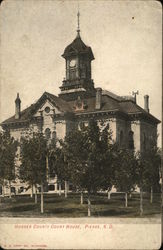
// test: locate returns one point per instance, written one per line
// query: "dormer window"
(80, 104)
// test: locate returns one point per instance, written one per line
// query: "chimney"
(17, 107)
(146, 103)
(98, 98)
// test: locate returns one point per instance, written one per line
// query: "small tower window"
(47, 133)
(72, 74)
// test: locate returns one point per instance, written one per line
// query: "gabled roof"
(27, 113)
(110, 102)
(62, 105)
(78, 47)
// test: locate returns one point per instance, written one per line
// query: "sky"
(125, 36)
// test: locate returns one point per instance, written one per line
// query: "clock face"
(73, 63)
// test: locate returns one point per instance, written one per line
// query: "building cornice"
(144, 117)
(15, 124)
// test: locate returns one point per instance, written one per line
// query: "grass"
(56, 206)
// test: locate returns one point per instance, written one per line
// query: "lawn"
(56, 206)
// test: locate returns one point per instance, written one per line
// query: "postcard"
(80, 124)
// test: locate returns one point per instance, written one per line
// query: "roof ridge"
(111, 94)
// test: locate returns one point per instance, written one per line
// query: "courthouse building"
(79, 101)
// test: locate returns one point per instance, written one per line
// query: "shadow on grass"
(63, 201)
(22, 208)
(54, 201)
(106, 201)
(64, 212)
(22, 199)
(113, 212)
(59, 206)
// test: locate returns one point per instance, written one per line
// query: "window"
(20, 148)
(51, 188)
(13, 190)
(70, 187)
(21, 189)
(83, 73)
(121, 139)
(144, 142)
(47, 133)
(54, 135)
(81, 125)
(47, 109)
(131, 140)
(54, 138)
(62, 186)
(72, 74)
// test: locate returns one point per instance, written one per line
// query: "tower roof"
(78, 47)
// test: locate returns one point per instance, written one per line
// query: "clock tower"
(78, 81)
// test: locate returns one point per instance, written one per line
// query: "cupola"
(78, 79)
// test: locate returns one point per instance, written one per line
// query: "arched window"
(131, 140)
(54, 135)
(121, 139)
(54, 138)
(47, 133)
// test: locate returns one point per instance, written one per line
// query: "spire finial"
(78, 27)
